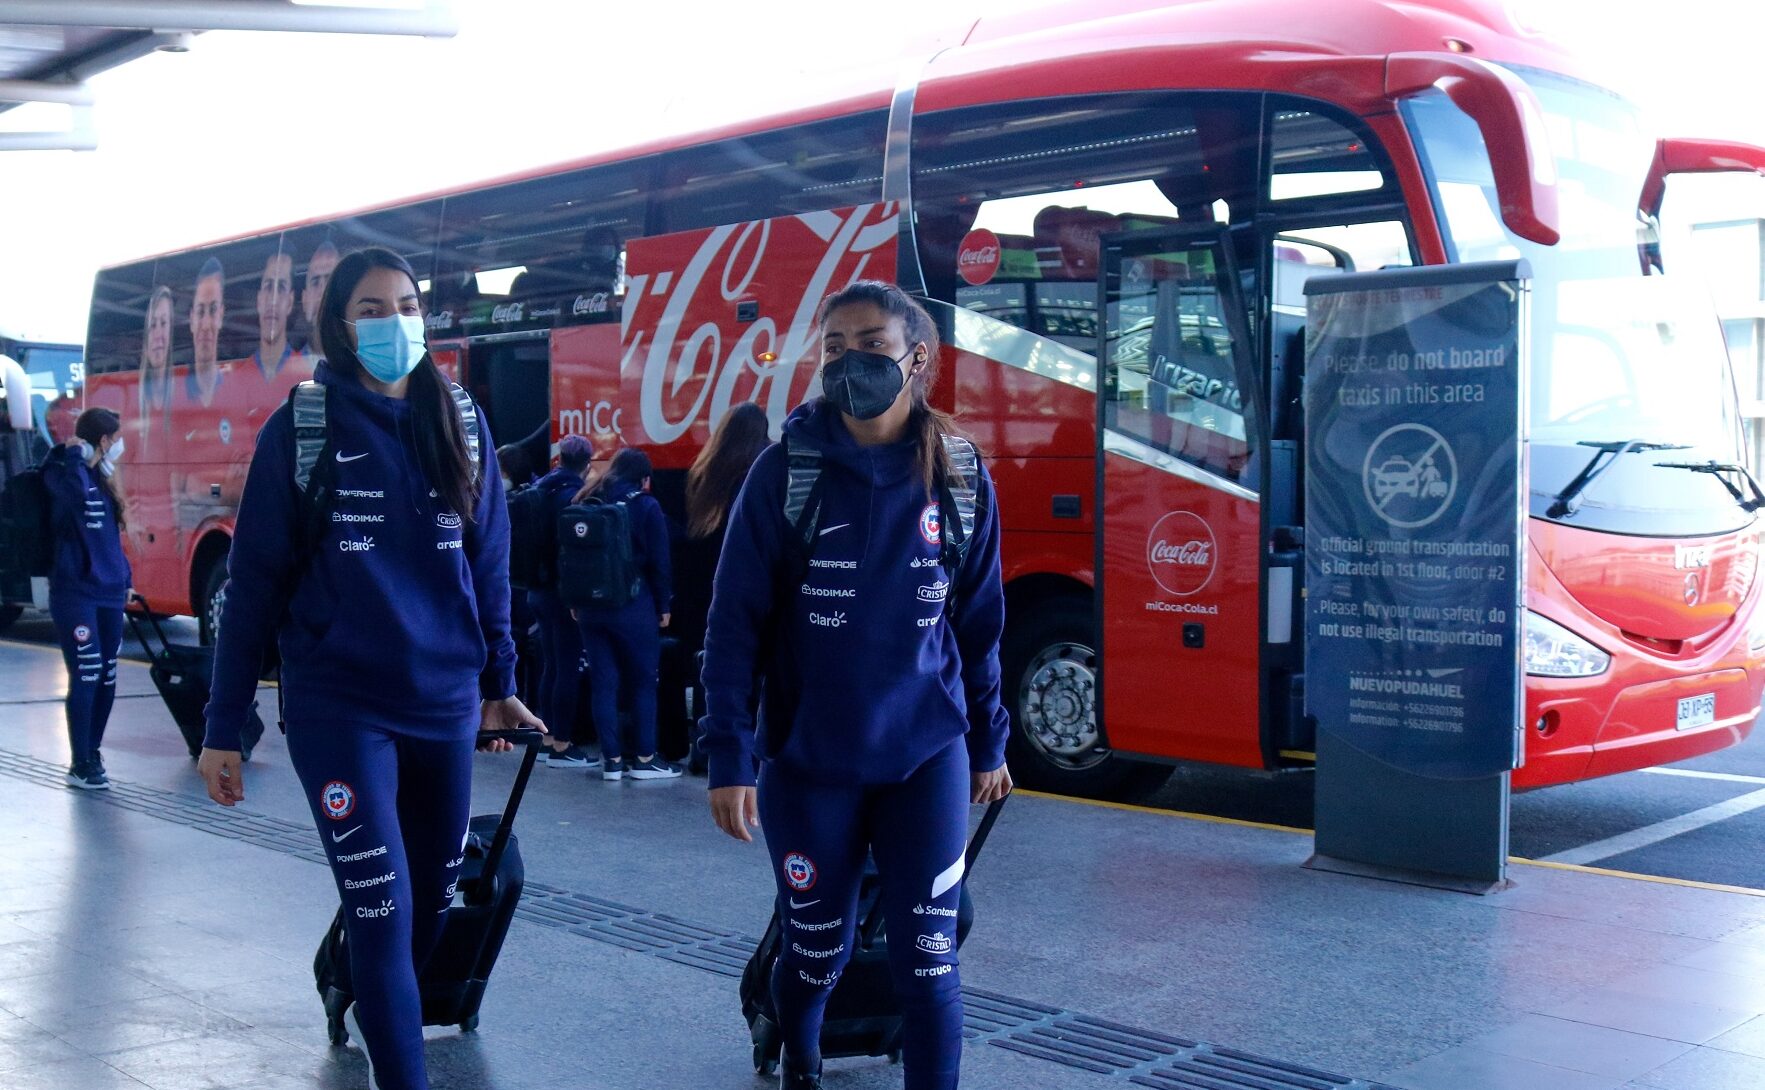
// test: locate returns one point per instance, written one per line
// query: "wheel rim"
(216, 602)
(1057, 707)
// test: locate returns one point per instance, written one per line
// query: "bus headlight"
(1554, 651)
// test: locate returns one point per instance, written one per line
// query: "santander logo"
(680, 329)
(977, 259)
(1181, 553)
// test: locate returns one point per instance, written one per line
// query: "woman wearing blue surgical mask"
(89, 583)
(872, 654)
(391, 611)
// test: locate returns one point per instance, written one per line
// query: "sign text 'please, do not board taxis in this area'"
(1414, 514)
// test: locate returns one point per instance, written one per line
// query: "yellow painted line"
(1211, 819)
(1155, 811)
(1689, 883)
(1299, 755)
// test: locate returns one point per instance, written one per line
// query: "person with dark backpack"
(88, 582)
(860, 591)
(372, 544)
(560, 642)
(615, 574)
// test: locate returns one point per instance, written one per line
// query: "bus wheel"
(1049, 684)
(214, 597)
(8, 614)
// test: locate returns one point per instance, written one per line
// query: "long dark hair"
(93, 425)
(629, 467)
(440, 434)
(719, 470)
(927, 424)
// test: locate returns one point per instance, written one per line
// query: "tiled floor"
(147, 940)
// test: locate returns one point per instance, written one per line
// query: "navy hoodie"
(401, 616)
(89, 561)
(863, 677)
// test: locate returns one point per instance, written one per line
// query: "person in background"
(517, 467)
(881, 719)
(624, 645)
(275, 302)
(89, 584)
(393, 626)
(155, 392)
(559, 639)
(712, 484)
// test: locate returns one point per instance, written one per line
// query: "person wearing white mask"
(89, 582)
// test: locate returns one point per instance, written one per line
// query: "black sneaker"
(613, 768)
(87, 776)
(654, 768)
(98, 762)
(573, 757)
(789, 1078)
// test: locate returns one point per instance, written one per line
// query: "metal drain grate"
(1031, 1029)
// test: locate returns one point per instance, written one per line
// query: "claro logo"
(1181, 553)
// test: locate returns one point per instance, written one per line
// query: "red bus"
(1112, 209)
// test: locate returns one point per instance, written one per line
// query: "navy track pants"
(917, 831)
(624, 651)
(392, 813)
(91, 636)
(560, 675)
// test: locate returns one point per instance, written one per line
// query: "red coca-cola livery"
(1112, 209)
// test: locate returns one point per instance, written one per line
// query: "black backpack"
(533, 539)
(597, 566)
(27, 534)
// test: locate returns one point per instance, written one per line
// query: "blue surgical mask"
(390, 347)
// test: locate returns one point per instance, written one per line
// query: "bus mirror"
(1682, 156)
(1507, 113)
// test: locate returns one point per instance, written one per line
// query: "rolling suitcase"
(182, 673)
(490, 882)
(863, 1018)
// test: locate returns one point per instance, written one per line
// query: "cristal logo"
(977, 259)
(1180, 553)
(693, 372)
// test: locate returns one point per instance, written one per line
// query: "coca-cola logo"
(509, 312)
(977, 259)
(598, 303)
(1181, 553)
(439, 320)
(678, 333)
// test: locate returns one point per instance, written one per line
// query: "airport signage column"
(1415, 402)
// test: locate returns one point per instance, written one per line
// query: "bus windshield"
(1618, 355)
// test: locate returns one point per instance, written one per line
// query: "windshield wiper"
(1568, 499)
(1718, 470)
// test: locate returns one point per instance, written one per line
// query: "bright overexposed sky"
(247, 131)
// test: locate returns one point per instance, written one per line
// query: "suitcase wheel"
(764, 1066)
(339, 1033)
(469, 1023)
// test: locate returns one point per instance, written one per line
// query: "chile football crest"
(338, 799)
(929, 525)
(799, 871)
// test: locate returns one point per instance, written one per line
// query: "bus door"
(509, 375)
(1180, 536)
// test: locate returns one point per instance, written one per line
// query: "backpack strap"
(307, 402)
(802, 494)
(957, 503)
(469, 423)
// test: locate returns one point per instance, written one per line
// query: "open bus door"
(1180, 537)
(509, 375)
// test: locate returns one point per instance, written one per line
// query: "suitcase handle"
(506, 827)
(146, 611)
(872, 924)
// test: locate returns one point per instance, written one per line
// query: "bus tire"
(211, 599)
(8, 614)
(1049, 683)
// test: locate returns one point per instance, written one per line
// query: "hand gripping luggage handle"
(504, 828)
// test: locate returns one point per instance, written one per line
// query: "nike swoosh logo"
(805, 904)
(352, 457)
(338, 838)
(831, 529)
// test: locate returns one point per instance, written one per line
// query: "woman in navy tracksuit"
(393, 624)
(624, 646)
(89, 583)
(560, 644)
(880, 720)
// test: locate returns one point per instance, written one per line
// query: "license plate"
(1697, 711)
